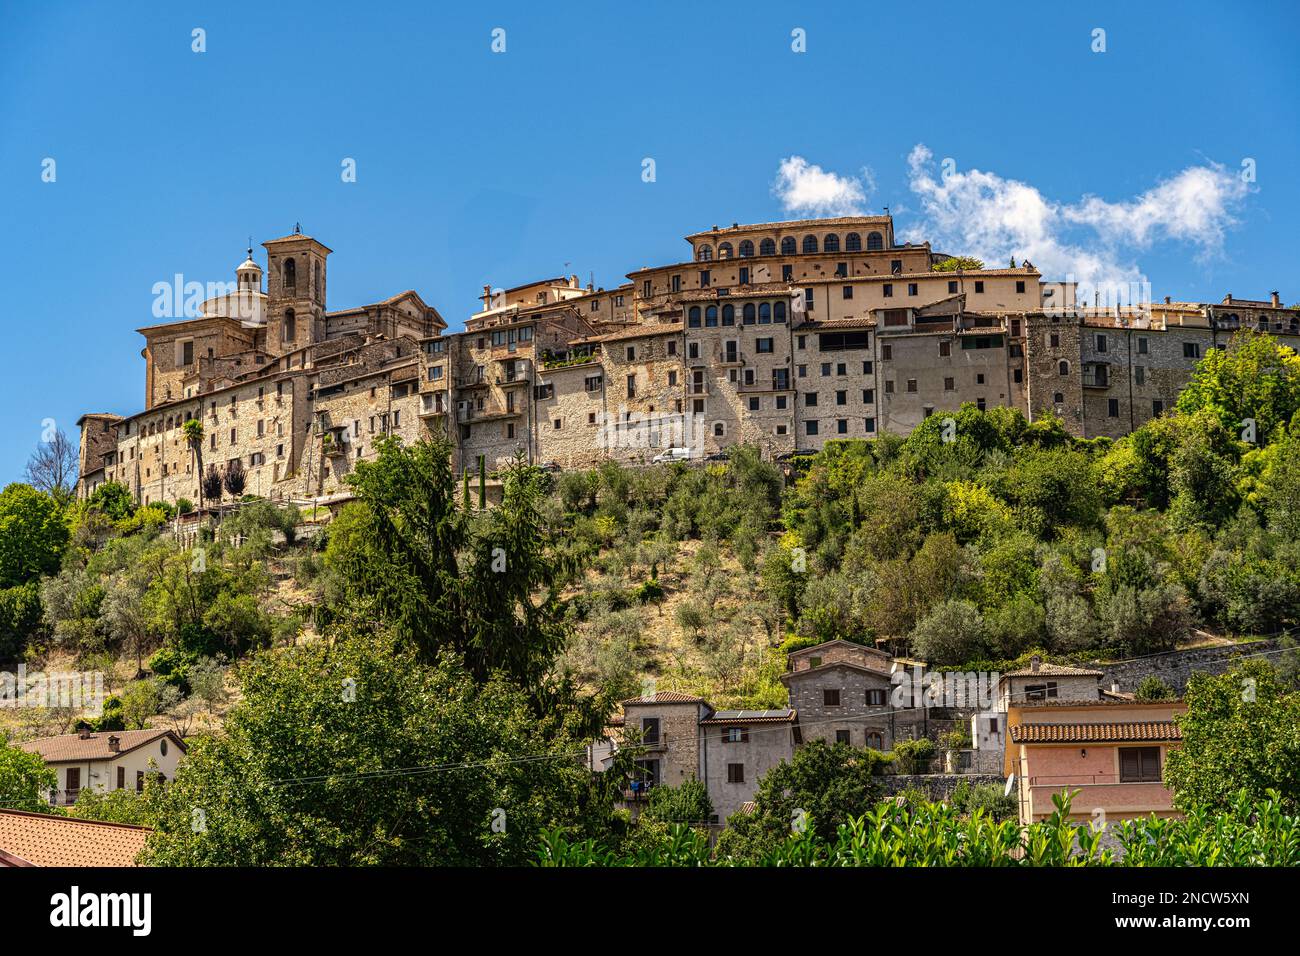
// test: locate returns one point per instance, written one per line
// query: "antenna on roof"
(250, 247)
(297, 229)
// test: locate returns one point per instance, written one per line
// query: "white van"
(674, 454)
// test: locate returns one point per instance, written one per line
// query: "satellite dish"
(1011, 782)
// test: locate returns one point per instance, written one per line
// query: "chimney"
(1227, 299)
(84, 732)
(115, 744)
(1166, 300)
(1034, 662)
(1277, 300)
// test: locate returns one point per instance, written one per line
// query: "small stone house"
(1047, 682)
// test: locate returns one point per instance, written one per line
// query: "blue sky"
(477, 167)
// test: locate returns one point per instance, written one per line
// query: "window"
(952, 286)
(810, 399)
(631, 386)
(1142, 345)
(809, 244)
(788, 246)
(841, 426)
(847, 292)
(704, 253)
(288, 328)
(728, 314)
(1063, 367)
(1191, 350)
(744, 276)
(1101, 342)
(787, 273)
(781, 401)
(911, 288)
(830, 697)
(979, 378)
(704, 278)
(949, 384)
(710, 316)
(841, 398)
(889, 386)
(73, 779)
(767, 247)
(945, 348)
(875, 240)
(1058, 398)
(886, 353)
(1020, 285)
(911, 385)
(1046, 691)
(764, 346)
(121, 778)
(810, 428)
(746, 249)
(868, 396)
(831, 243)
(187, 353)
(693, 317)
(853, 242)
(870, 425)
(544, 391)
(887, 290)
(736, 735)
(842, 737)
(290, 272)
(1054, 340)
(1112, 408)
(1157, 407)
(1139, 374)
(979, 286)
(139, 774)
(753, 403)
(735, 773)
(1139, 764)
(875, 741)
(631, 353)
(875, 698)
(725, 251)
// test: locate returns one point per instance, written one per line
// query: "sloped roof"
(750, 717)
(1153, 730)
(1053, 670)
(667, 697)
(69, 747)
(44, 839)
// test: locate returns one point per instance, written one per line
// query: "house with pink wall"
(1109, 753)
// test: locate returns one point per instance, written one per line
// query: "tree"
(486, 587)
(54, 466)
(952, 633)
(959, 263)
(210, 486)
(112, 499)
(33, 534)
(234, 478)
(821, 786)
(24, 780)
(1241, 732)
(193, 432)
(1152, 688)
(357, 752)
(688, 802)
(1255, 377)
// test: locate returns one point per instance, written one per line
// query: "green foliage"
(959, 263)
(919, 833)
(113, 499)
(913, 756)
(24, 780)
(688, 802)
(33, 534)
(358, 752)
(1152, 688)
(20, 618)
(1255, 377)
(1241, 732)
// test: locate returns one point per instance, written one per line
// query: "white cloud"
(806, 189)
(1092, 241)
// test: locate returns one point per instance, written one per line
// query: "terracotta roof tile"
(667, 697)
(95, 747)
(1096, 733)
(1053, 670)
(42, 839)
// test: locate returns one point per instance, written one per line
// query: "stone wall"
(1175, 667)
(938, 785)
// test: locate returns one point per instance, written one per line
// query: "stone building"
(781, 335)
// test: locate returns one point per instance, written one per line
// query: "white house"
(107, 760)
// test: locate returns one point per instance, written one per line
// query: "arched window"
(289, 327)
(693, 317)
(809, 243)
(778, 311)
(724, 251)
(746, 249)
(788, 246)
(290, 271)
(1063, 367)
(748, 313)
(875, 240)
(711, 317)
(719, 429)
(765, 314)
(704, 253)
(831, 243)
(315, 273)
(853, 242)
(767, 247)
(1059, 398)
(728, 314)
(875, 740)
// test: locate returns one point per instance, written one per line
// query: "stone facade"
(780, 335)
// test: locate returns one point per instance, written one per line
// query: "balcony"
(697, 388)
(429, 408)
(1096, 376)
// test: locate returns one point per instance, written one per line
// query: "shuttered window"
(1139, 765)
